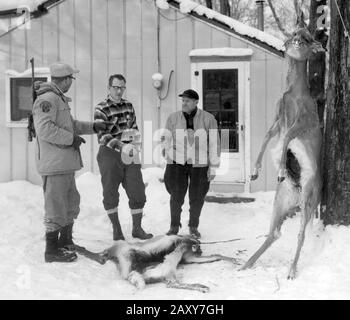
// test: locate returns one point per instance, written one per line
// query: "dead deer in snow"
(155, 260)
(298, 147)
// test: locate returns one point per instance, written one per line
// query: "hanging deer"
(297, 153)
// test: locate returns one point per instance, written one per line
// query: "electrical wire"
(167, 91)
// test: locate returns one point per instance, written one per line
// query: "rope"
(231, 240)
(346, 32)
(167, 91)
(223, 241)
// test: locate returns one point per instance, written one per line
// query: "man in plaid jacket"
(118, 158)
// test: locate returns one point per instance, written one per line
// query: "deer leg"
(285, 200)
(207, 259)
(167, 269)
(136, 279)
(309, 206)
(269, 135)
(187, 286)
(101, 258)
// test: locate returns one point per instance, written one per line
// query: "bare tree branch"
(278, 21)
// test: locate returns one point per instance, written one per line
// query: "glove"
(77, 141)
(101, 126)
(129, 149)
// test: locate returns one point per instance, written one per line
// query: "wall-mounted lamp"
(157, 80)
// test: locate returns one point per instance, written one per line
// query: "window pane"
(21, 97)
(220, 97)
(229, 100)
(211, 101)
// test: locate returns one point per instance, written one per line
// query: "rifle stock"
(31, 129)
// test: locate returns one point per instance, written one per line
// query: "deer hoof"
(245, 267)
(137, 280)
(253, 177)
(292, 274)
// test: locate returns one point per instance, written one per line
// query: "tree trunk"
(317, 66)
(225, 7)
(335, 208)
(209, 4)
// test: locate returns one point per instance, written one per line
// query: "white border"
(9, 74)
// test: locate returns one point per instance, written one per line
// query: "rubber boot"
(55, 254)
(117, 229)
(137, 231)
(66, 237)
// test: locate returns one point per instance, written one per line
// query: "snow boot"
(137, 231)
(66, 239)
(194, 232)
(117, 229)
(173, 230)
(55, 254)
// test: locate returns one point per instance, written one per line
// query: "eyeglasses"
(117, 87)
(71, 77)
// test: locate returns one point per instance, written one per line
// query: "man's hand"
(101, 126)
(77, 141)
(129, 149)
(211, 174)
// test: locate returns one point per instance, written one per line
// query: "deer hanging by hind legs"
(299, 145)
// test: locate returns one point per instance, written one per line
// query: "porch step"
(217, 187)
(228, 199)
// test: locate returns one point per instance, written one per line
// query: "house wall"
(120, 36)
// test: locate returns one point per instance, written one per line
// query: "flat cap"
(190, 94)
(60, 69)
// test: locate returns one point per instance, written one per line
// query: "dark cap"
(190, 94)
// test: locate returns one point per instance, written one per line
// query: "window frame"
(11, 74)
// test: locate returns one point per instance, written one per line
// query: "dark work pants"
(113, 172)
(178, 178)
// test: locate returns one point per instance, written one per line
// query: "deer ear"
(301, 19)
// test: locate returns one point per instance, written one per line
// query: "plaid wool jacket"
(123, 128)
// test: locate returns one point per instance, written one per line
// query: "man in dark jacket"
(57, 158)
(192, 148)
(118, 158)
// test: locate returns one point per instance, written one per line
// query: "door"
(220, 86)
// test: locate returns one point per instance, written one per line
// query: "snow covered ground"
(323, 266)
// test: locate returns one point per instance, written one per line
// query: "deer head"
(302, 45)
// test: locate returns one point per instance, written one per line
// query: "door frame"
(244, 138)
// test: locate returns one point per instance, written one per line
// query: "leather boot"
(55, 254)
(137, 231)
(194, 232)
(173, 230)
(117, 229)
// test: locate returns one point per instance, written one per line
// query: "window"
(19, 95)
(220, 97)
